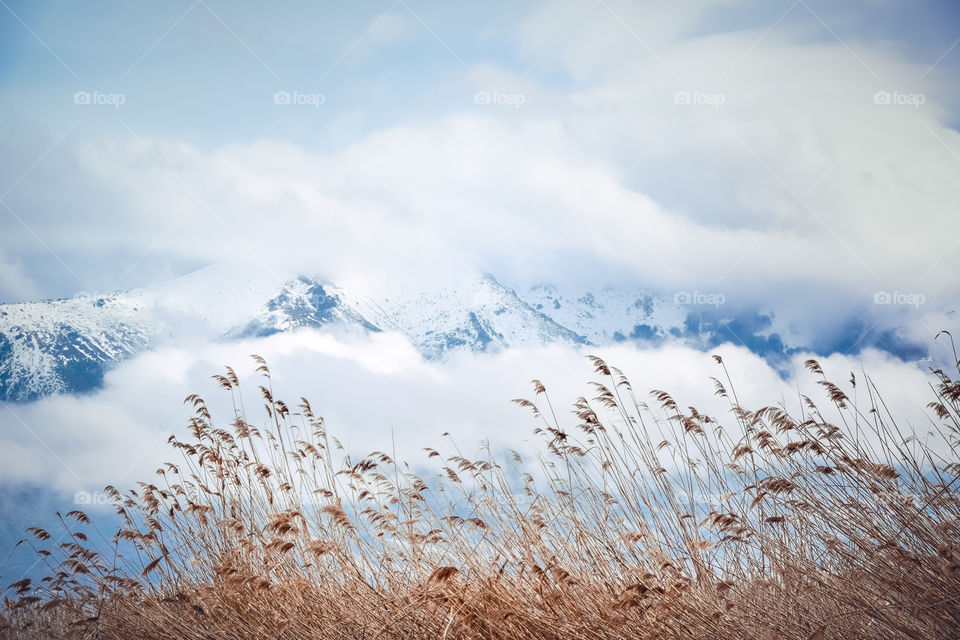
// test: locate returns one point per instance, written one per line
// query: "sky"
(757, 149)
(800, 156)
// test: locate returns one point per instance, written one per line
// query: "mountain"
(608, 314)
(66, 346)
(477, 316)
(304, 302)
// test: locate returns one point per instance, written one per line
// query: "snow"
(59, 346)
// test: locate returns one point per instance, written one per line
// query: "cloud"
(377, 393)
(644, 146)
(476, 192)
(15, 285)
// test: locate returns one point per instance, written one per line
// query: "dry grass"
(635, 522)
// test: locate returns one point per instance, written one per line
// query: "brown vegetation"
(635, 522)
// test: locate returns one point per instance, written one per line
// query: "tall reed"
(634, 520)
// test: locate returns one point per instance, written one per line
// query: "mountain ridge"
(66, 345)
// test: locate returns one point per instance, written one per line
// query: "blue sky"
(200, 70)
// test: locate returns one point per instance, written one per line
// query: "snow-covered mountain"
(64, 346)
(304, 302)
(481, 315)
(608, 314)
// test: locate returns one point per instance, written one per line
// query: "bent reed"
(635, 521)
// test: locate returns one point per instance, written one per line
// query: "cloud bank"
(635, 144)
(377, 393)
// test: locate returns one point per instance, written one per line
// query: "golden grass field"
(635, 520)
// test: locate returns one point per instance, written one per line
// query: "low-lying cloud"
(377, 393)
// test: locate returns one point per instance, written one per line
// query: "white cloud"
(474, 192)
(15, 285)
(602, 178)
(372, 391)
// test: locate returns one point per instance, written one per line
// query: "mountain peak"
(305, 302)
(67, 345)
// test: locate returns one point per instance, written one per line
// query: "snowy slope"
(57, 346)
(607, 315)
(304, 302)
(219, 296)
(478, 316)
(65, 345)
